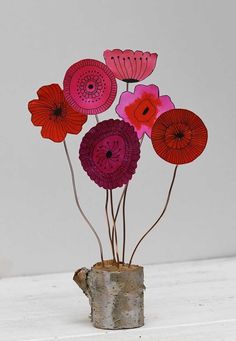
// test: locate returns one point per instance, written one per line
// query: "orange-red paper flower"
(179, 136)
(52, 112)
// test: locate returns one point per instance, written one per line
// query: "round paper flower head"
(52, 112)
(142, 107)
(109, 153)
(179, 136)
(90, 86)
(130, 66)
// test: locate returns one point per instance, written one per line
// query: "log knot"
(80, 278)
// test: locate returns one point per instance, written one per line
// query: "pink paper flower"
(90, 86)
(142, 107)
(130, 66)
(109, 153)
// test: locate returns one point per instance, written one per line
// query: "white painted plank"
(183, 301)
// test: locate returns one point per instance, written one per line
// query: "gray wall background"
(40, 228)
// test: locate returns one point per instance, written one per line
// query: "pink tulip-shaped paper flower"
(130, 66)
(142, 107)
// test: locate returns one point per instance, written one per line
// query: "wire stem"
(114, 231)
(124, 224)
(78, 204)
(109, 225)
(123, 196)
(161, 215)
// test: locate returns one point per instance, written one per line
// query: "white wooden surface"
(183, 301)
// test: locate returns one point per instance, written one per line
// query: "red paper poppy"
(52, 112)
(179, 136)
(109, 153)
(90, 86)
(130, 66)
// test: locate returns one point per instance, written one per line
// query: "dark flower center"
(90, 86)
(179, 135)
(57, 112)
(130, 80)
(146, 110)
(109, 154)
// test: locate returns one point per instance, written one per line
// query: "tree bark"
(115, 294)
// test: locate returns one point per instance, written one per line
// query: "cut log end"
(115, 294)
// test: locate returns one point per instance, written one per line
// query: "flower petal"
(165, 104)
(112, 59)
(52, 94)
(149, 65)
(74, 121)
(54, 131)
(40, 112)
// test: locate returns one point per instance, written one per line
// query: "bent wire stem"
(107, 216)
(118, 209)
(123, 196)
(78, 204)
(124, 223)
(161, 215)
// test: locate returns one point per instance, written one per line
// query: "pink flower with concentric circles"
(109, 153)
(90, 86)
(130, 66)
(142, 107)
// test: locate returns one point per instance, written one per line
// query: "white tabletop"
(183, 301)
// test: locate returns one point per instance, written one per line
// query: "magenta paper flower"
(109, 153)
(130, 66)
(90, 87)
(142, 107)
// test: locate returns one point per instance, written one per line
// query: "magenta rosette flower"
(89, 87)
(142, 107)
(130, 66)
(109, 153)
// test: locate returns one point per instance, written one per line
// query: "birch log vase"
(115, 294)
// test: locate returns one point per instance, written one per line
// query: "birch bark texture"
(116, 295)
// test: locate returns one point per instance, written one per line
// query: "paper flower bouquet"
(109, 153)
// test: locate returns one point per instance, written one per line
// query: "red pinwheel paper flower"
(109, 153)
(90, 87)
(52, 112)
(130, 66)
(142, 107)
(179, 136)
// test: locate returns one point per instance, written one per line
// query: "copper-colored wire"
(124, 224)
(159, 218)
(78, 204)
(109, 225)
(114, 230)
